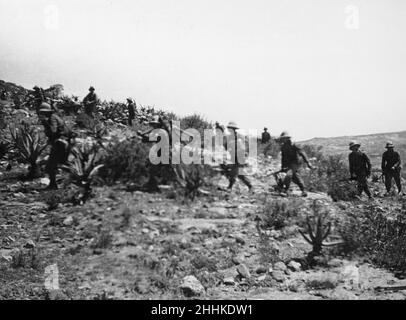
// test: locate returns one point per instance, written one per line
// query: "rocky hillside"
(123, 243)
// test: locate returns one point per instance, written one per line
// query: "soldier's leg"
(388, 181)
(245, 180)
(288, 179)
(297, 179)
(51, 167)
(152, 184)
(398, 182)
(232, 176)
(364, 186)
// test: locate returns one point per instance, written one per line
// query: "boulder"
(279, 275)
(243, 271)
(294, 266)
(279, 266)
(190, 286)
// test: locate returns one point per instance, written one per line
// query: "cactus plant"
(317, 228)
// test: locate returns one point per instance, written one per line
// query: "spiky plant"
(28, 144)
(83, 167)
(318, 229)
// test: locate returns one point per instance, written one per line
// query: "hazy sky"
(314, 67)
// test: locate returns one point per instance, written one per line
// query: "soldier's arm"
(383, 162)
(304, 157)
(368, 163)
(398, 162)
(351, 165)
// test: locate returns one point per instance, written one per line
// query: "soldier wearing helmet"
(39, 97)
(360, 168)
(90, 102)
(290, 154)
(235, 145)
(56, 131)
(265, 137)
(391, 167)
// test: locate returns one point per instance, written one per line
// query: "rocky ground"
(134, 245)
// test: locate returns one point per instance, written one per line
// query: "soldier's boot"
(52, 182)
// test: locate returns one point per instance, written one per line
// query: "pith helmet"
(232, 125)
(129, 99)
(155, 120)
(389, 145)
(354, 144)
(91, 88)
(45, 108)
(265, 129)
(285, 135)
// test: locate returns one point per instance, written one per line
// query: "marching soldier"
(235, 146)
(132, 107)
(360, 168)
(291, 163)
(39, 98)
(55, 130)
(90, 102)
(391, 167)
(155, 170)
(265, 137)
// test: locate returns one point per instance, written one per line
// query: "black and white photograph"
(218, 151)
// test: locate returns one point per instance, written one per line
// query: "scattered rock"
(29, 244)
(239, 239)
(279, 266)
(145, 230)
(279, 275)
(294, 266)
(218, 212)
(191, 286)
(229, 281)
(243, 271)
(238, 259)
(262, 278)
(340, 294)
(68, 221)
(333, 263)
(261, 269)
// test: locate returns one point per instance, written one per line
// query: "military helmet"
(45, 108)
(91, 88)
(389, 145)
(285, 135)
(232, 125)
(265, 129)
(354, 144)
(129, 99)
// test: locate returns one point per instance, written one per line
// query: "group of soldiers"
(291, 154)
(359, 165)
(360, 168)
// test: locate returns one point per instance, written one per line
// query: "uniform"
(391, 167)
(360, 168)
(90, 102)
(55, 128)
(290, 164)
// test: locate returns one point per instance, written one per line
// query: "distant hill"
(372, 144)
